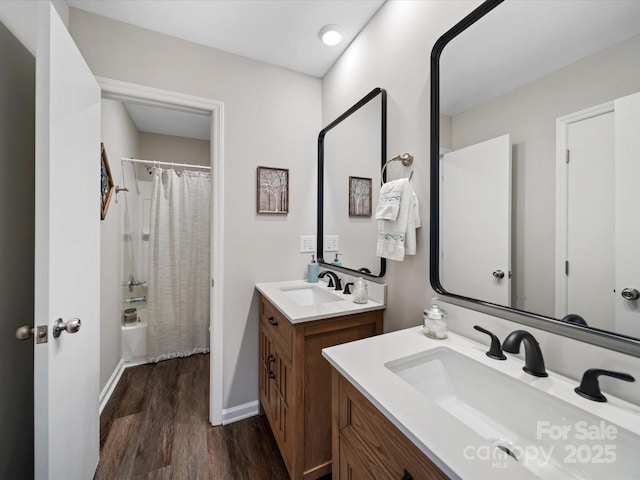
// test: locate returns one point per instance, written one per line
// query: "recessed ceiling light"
(330, 35)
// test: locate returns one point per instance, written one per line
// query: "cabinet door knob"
(273, 321)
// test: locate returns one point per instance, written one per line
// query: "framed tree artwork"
(273, 190)
(106, 182)
(359, 197)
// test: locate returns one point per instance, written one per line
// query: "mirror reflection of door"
(589, 262)
(598, 236)
(475, 221)
(627, 201)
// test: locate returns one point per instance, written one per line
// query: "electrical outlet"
(307, 244)
(331, 243)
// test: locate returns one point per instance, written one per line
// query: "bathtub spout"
(142, 299)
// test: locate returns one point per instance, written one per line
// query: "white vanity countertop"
(297, 313)
(436, 432)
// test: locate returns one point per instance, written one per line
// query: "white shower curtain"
(178, 284)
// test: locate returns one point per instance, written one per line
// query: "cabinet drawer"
(276, 324)
(377, 442)
(353, 466)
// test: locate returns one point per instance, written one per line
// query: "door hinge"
(212, 283)
(566, 268)
(566, 156)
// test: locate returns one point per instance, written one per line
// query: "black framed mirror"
(528, 81)
(351, 152)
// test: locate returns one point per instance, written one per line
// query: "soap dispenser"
(312, 270)
(435, 322)
(336, 261)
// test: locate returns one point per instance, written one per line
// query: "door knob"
(25, 332)
(630, 294)
(72, 326)
(498, 274)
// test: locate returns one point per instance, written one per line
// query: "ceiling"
(284, 33)
(279, 32)
(165, 121)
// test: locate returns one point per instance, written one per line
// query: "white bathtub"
(134, 339)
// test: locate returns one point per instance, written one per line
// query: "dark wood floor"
(155, 426)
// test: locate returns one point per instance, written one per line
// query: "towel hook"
(406, 159)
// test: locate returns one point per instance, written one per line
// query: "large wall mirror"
(535, 166)
(351, 152)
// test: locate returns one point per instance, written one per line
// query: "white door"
(475, 221)
(67, 254)
(590, 220)
(627, 220)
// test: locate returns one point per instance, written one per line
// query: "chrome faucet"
(533, 361)
(334, 279)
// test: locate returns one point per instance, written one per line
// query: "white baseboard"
(111, 385)
(108, 389)
(239, 412)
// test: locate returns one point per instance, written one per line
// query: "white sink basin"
(309, 295)
(300, 301)
(548, 436)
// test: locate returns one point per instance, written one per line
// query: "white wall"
(168, 148)
(272, 117)
(393, 52)
(120, 138)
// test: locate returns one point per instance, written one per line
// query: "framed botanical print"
(106, 182)
(273, 190)
(359, 197)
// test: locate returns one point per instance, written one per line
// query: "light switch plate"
(331, 243)
(307, 244)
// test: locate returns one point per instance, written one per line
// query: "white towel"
(413, 223)
(397, 238)
(389, 199)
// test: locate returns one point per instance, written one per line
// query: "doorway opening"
(181, 110)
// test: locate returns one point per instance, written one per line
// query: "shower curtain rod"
(172, 164)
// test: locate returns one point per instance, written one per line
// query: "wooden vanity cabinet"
(295, 383)
(367, 445)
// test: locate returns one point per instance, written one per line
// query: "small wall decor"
(273, 190)
(359, 197)
(106, 182)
